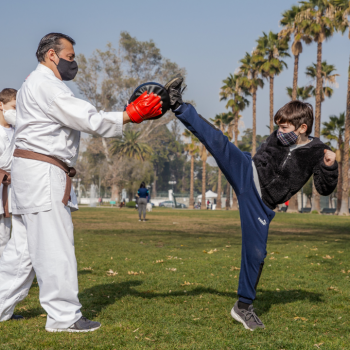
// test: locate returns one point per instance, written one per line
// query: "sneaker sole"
(55, 330)
(239, 319)
(170, 82)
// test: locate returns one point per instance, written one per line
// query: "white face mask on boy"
(9, 115)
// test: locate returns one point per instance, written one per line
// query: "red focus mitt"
(144, 107)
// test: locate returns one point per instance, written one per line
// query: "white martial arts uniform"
(5, 223)
(49, 121)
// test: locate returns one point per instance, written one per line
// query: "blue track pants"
(255, 215)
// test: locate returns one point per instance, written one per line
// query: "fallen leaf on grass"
(186, 284)
(234, 268)
(318, 345)
(300, 318)
(340, 252)
(43, 315)
(136, 330)
(135, 273)
(211, 251)
(149, 339)
(332, 288)
(343, 271)
(159, 261)
(88, 268)
(196, 319)
(110, 272)
(286, 257)
(273, 258)
(171, 268)
(228, 246)
(277, 289)
(313, 249)
(328, 257)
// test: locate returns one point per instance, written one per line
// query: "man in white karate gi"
(49, 122)
(7, 124)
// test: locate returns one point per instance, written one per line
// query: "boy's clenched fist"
(329, 157)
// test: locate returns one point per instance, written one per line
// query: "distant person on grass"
(142, 195)
(280, 168)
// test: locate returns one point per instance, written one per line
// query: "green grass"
(303, 300)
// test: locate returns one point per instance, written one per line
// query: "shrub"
(314, 212)
(131, 204)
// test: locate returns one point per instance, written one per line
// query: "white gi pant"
(42, 244)
(5, 232)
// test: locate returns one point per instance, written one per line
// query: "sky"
(208, 38)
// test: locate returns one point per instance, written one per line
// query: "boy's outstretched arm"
(326, 174)
(227, 156)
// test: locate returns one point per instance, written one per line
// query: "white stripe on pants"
(42, 244)
(5, 231)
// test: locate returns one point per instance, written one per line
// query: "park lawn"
(302, 298)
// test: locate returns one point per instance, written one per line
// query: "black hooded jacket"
(283, 173)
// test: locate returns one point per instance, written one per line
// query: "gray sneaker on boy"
(248, 317)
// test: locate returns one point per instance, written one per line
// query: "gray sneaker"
(249, 318)
(82, 325)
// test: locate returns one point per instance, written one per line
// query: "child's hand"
(329, 157)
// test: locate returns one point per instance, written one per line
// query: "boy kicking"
(280, 168)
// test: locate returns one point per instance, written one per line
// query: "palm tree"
(219, 123)
(235, 94)
(191, 149)
(317, 20)
(204, 156)
(251, 81)
(303, 93)
(291, 26)
(342, 19)
(130, 146)
(237, 102)
(334, 130)
(328, 79)
(269, 51)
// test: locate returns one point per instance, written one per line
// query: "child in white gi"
(7, 124)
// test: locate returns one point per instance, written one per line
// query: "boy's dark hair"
(143, 185)
(296, 113)
(51, 41)
(7, 95)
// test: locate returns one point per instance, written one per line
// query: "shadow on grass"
(101, 296)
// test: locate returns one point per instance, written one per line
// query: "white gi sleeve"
(80, 115)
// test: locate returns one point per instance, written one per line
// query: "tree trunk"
(318, 90)
(315, 203)
(339, 188)
(344, 210)
(295, 79)
(115, 193)
(236, 131)
(234, 197)
(190, 205)
(204, 204)
(315, 195)
(293, 204)
(228, 196)
(218, 199)
(183, 187)
(254, 124)
(154, 188)
(271, 104)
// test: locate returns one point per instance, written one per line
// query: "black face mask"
(67, 69)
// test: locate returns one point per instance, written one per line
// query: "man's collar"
(45, 69)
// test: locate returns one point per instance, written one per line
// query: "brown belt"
(5, 179)
(70, 172)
